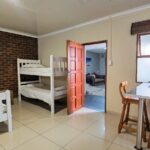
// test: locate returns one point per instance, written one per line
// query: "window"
(143, 58)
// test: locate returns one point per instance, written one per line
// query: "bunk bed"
(37, 90)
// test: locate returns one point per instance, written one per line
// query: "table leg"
(140, 124)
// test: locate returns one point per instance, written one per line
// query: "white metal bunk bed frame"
(58, 67)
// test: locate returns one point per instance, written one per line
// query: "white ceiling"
(96, 48)
(45, 16)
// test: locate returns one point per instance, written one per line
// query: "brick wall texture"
(13, 46)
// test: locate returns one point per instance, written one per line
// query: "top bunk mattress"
(35, 69)
(40, 70)
(43, 71)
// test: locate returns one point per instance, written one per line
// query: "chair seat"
(132, 98)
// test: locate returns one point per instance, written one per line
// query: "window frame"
(138, 50)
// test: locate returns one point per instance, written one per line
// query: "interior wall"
(102, 61)
(123, 47)
(92, 66)
(13, 46)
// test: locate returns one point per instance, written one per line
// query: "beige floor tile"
(100, 130)
(103, 130)
(87, 142)
(41, 111)
(117, 147)
(80, 122)
(61, 113)
(42, 125)
(16, 124)
(37, 109)
(86, 112)
(62, 134)
(4, 126)
(26, 117)
(126, 140)
(17, 137)
(1, 148)
(96, 115)
(38, 143)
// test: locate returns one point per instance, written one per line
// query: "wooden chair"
(5, 108)
(127, 101)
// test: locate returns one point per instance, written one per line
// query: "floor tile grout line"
(99, 137)
(38, 135)
(120, 144)
(2, 147)
(23, 125)
(32, 129)
(24, 142)
(50, 128)
(43, 131)
(81, 129)
(112, 142)
(26, 125)
(54, 127)
(57, 143)
(41, 134)
(51, 141)
(63, 121)
(32, 111)
(72, 139)
(37, 112)
(87, 134)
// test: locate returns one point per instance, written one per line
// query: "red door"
(75, 56)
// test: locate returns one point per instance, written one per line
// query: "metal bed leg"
(140, 123)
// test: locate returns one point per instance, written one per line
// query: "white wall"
(102, 60)
(123, 50)
(94, 64)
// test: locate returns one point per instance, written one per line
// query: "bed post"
(40, 79)
(18, 73)
(52, 84)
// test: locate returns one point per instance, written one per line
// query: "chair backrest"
(5, 109)
(122, 89)
(2, 97)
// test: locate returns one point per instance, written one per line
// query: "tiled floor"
(35, 129)
(95, 102)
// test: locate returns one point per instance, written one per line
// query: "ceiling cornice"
(130, 11)
(18, 32)
(74, 27)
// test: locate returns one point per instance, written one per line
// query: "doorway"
(82, 91)
(95, 75)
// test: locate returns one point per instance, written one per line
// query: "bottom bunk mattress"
(41, 92)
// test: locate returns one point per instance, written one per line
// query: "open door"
(75, 95)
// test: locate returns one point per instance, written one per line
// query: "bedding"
(41, 92)
(40, 71)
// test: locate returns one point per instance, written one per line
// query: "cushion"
(98, 80)
(93, 75)
(96, 75)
